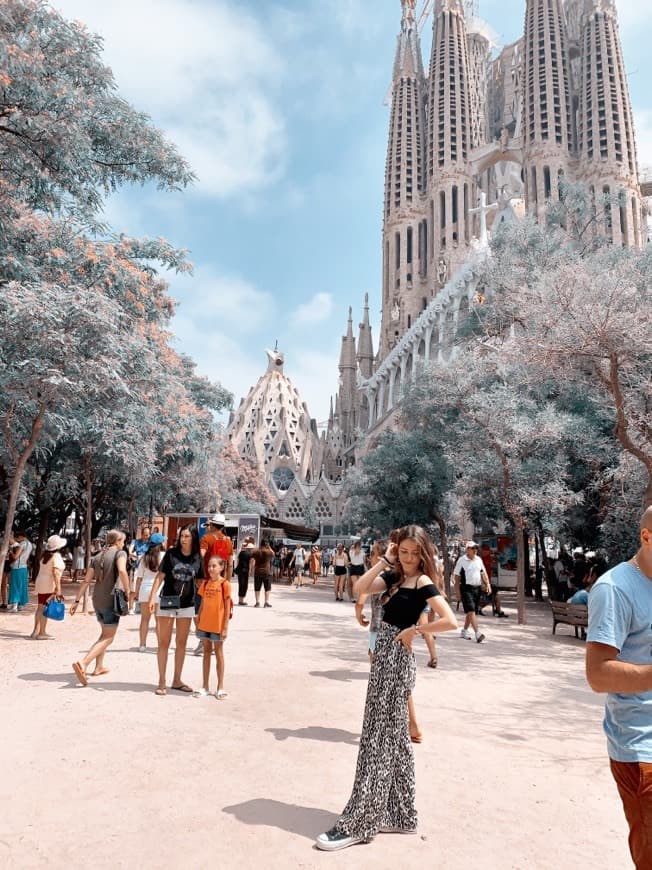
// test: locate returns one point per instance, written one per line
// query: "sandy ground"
(512, 772)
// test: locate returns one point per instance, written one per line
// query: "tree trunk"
(89, 521)
(545, 561)
(526, 569)
(520, 570)
(44, 522)
(17, 479)
(443, 535)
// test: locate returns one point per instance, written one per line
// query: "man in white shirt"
(470, 579)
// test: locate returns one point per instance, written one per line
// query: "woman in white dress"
(145, 573)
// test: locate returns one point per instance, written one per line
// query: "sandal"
(99, 673)
(201, 693)
(182, 688)
(432, 663)
(81, 673)
(221, 694)
(161, 691)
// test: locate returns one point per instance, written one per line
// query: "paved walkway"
(512, 772)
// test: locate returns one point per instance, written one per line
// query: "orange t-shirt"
(215, 605)
(214, 545)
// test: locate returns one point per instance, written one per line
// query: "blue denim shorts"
(208, 635)
(106, 616)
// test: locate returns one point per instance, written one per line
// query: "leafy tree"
(405, 478)
(569, 307)
(66, 136)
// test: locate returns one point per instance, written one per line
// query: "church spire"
(547, 115)
(607, 147)
(347, 353)
(365, 343)
(405, 182)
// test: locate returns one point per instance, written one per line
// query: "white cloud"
(219, 303)
(315, 374)
(316, 310)
(208, 75)
(631, 13)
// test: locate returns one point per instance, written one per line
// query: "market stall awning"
(291, 530)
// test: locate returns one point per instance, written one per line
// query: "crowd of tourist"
(403, 581)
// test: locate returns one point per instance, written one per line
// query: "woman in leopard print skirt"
(383, 797)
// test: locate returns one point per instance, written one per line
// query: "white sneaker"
(465, 633)
(199, 651)
(333, 840)
(142, 649)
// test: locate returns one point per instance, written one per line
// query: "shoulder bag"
(120, 602)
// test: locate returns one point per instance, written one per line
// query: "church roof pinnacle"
(347, 354)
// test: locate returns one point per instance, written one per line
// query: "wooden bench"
(576, 615)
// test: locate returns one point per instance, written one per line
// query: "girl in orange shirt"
(213, 622)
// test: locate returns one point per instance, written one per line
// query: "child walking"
(213, 623)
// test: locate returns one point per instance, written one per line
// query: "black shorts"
(470, 597)
(356, 570)
(262, 581)
(339, 570)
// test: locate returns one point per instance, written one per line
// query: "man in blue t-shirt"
(619, 662)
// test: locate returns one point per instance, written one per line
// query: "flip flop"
(182, 688)
(81, 673)
(432, 663)
(99, 673)
(161, 691)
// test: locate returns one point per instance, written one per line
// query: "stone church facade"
(477, 140)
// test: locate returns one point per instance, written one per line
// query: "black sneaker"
(333, 840)
(502, 615)
(479, 637)
(267, 604)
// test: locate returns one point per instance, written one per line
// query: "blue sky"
(278, 105)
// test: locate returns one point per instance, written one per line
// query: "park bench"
(576, 615)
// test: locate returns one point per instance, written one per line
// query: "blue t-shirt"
(620, 615)
(580, 597)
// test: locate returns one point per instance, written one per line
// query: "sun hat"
(471, 544)
(54, 542)
(217, 520)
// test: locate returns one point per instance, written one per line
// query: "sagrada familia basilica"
(482, 137)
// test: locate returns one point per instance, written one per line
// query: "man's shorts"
(470, 597)
(262, 581)
(106, 616)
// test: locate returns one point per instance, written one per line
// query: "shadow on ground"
(316, 732)
(344, 676)
(69, 681)
(305, 821)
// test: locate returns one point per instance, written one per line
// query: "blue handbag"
(54, 609)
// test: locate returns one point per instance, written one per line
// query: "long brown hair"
(153, 557)
(427, 548)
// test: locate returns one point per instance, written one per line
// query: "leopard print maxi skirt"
(383, 792)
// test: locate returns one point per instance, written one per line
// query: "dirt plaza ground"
(512, 772)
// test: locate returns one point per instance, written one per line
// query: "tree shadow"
(316, 732)
(69, 681)
(263, 812)
(343, 676)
